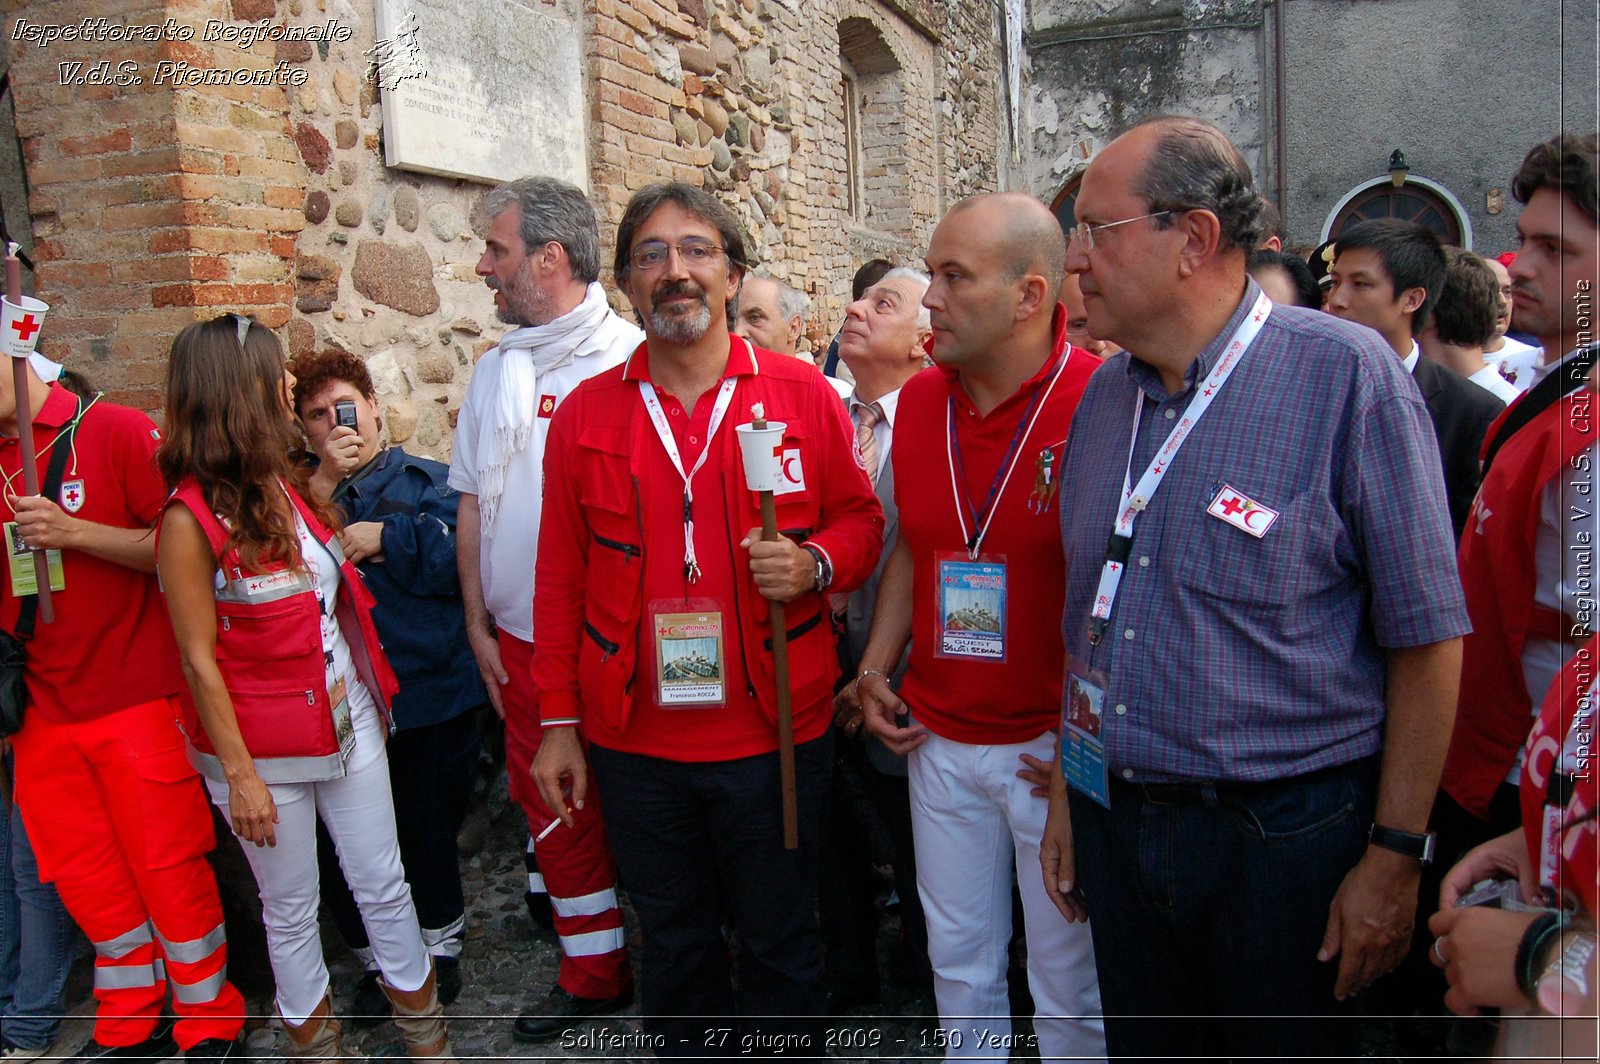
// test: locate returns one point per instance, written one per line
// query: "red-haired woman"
(289, 687)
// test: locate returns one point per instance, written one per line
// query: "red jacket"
(1493, 712)
(590, 576)
(269, 650)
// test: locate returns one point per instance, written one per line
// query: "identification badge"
(1550, 845)
(343, 726)
(23, 579)
(1241, 511)
(1083, 753)
(972, 607)
(689, 657)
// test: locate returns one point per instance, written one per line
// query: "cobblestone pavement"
(507, 967)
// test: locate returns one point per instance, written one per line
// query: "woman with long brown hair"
(290, 690)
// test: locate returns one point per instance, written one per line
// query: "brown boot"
(317, 1038)
(420, 1018)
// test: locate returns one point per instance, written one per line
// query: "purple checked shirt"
(1229, 657)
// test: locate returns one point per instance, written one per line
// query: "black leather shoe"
(158, 1046)
(561, 1011)
(448, 970)
(211, 1051)
(841, 999)
(369, 1007)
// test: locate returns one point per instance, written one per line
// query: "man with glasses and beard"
(542, 259)
(655, 644)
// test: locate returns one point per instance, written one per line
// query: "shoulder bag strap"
(60, 448)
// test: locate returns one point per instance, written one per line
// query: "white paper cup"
(761, 449)
(20, 325)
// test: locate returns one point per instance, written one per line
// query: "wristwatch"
(1409, 843)
(824, 574)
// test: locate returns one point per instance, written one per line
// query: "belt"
(1213, 792)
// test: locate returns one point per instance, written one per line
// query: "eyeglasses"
(244, 327)
(652, 254)
(1083, 233)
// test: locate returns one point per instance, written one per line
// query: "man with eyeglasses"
(1262, 627)
(542, 260)
(655, 639)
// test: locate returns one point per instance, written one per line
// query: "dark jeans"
(1208, 904)
(431, 772)
(38, 940)
(697, 842)
(847, 889)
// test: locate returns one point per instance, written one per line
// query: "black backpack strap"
(60, 448)
(1555, 387)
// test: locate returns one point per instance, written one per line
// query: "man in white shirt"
(883, 342)
(542, 259)
(1515, 360)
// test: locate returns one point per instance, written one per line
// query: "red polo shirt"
(970, 700)
(738, 728)
(111, 644)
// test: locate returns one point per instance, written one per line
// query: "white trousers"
(359, 813)
(971, 817)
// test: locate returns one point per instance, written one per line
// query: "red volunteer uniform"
(1496, 564)
(612, 554)
(966, 699)
(115, 812)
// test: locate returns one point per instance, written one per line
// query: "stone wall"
(1098, 66)
(154, 205)
(1463, 87)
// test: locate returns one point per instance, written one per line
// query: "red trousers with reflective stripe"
(120, 824)
(575, 862)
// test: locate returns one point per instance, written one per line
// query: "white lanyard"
(658, 417)
(974, 541)
(1137, 497)
(1558, 796)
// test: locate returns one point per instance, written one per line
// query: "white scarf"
(524, 354)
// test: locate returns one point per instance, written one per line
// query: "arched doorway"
(1065, 205)
(1418, 200)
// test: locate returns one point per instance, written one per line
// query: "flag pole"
(780, 669)
(30, 468)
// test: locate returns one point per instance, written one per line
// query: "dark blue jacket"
(418, 614)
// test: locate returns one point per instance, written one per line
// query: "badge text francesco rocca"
(176, 73)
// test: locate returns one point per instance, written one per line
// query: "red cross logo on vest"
(26, 326)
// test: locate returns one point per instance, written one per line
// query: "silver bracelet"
(870, 672)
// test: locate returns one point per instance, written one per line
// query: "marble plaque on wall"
(485, 90)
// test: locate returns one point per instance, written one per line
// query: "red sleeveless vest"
(269, 650)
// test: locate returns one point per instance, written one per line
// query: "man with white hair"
(542, 259)
(771, 315)
(883, 341)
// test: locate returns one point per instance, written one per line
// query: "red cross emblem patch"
(1241, 511)
(72, 495)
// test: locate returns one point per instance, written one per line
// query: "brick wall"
(153, 205)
